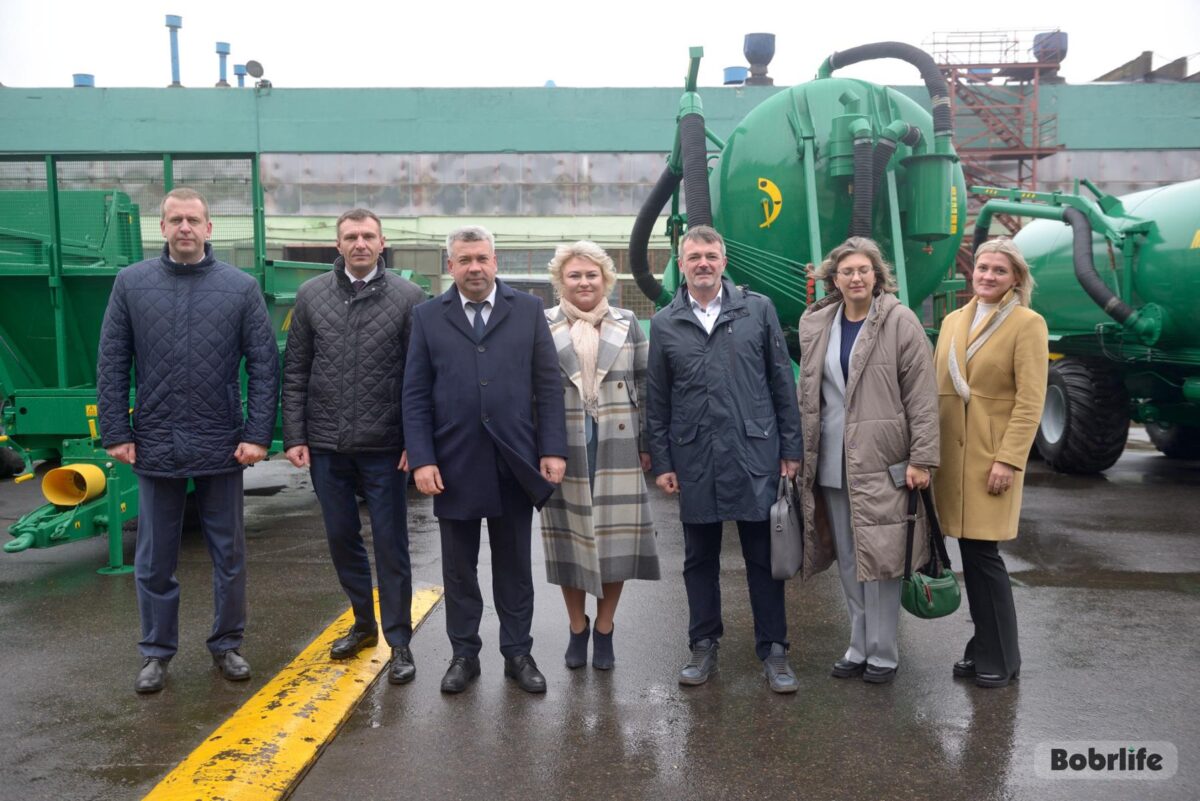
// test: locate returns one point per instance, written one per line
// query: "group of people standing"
(497, 406)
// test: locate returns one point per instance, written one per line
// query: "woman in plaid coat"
(596, 527)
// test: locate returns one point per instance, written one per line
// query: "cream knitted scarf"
(585, 336)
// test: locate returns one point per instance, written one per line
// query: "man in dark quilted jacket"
(342, 379)
(185, 322)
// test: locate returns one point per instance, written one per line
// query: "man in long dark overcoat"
(485, 429)
(723, 425)
(185, 322)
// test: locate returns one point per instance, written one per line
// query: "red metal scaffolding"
(1001, 129)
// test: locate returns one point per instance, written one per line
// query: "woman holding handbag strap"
(992, 357)
(868, 408)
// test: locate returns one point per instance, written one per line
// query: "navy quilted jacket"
(344, 367)
(185, 330)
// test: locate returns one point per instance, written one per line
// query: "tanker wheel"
(10, 463)
(1175, 441)
(1085, 422)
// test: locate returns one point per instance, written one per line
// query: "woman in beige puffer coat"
(868, 402)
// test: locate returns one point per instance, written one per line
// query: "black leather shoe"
(845, 669)
(964, 669)
(152, 677)
(995, 679)
(525, 671)
(354, 641)
(233, 666)
(403, 669)
(878, 675)
(462, 670)
(702, 664)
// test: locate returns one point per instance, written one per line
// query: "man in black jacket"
(184, 321)
(342, 378)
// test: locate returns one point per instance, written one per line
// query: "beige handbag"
(787, 531)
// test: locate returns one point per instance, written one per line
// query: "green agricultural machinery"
(60, 250)
(1119, 285)
(807, 168)
(1118, 281)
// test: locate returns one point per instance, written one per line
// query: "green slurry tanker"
(1118, 278)
(1118, 281)
(808, 167)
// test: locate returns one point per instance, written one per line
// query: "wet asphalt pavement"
(1107, 586)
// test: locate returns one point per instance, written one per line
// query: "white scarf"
(585, 337)
(957, 375)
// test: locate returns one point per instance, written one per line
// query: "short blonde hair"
(1023, 288)
(885, 280)
(183, 193)
(588, 251)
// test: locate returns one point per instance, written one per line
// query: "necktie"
(478, 308)
(358, 285)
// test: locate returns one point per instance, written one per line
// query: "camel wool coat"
(1007, 377)
(890, 417)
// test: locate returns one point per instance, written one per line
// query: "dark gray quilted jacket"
(185, 330)
(343, 370)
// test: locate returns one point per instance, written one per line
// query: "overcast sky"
(606, 43)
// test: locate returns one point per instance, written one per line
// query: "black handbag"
(787, 531)
(932, 591)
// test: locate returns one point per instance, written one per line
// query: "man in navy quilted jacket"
(342, 378)
(184, 322)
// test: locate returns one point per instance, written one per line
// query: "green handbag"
(932, 591)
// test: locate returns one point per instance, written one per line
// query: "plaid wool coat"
(593, 539)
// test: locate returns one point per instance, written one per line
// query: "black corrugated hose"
(981, 236)
(1085, 268)
(883, 154)
(643, 227)
(694, 147)
(864, 187)
(935, 82)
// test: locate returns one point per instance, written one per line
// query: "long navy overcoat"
(472, 407)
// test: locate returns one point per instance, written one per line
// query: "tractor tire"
(1085, 422)
(1175, 441)
(10, 463)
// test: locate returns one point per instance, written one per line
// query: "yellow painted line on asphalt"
(264, 748)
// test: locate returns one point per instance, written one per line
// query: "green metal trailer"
(62, 243)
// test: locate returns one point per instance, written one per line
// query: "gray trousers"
(874, 605)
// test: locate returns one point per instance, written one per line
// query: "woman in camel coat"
(992, 358)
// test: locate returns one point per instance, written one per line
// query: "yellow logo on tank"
(772, 203)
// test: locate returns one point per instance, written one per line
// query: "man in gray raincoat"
(723, 426)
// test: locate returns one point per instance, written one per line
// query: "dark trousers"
(336, 477)
(512, 576)
(989, 595)
(702, 578)
(160, 525)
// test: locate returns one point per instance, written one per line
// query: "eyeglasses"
(850, 272)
